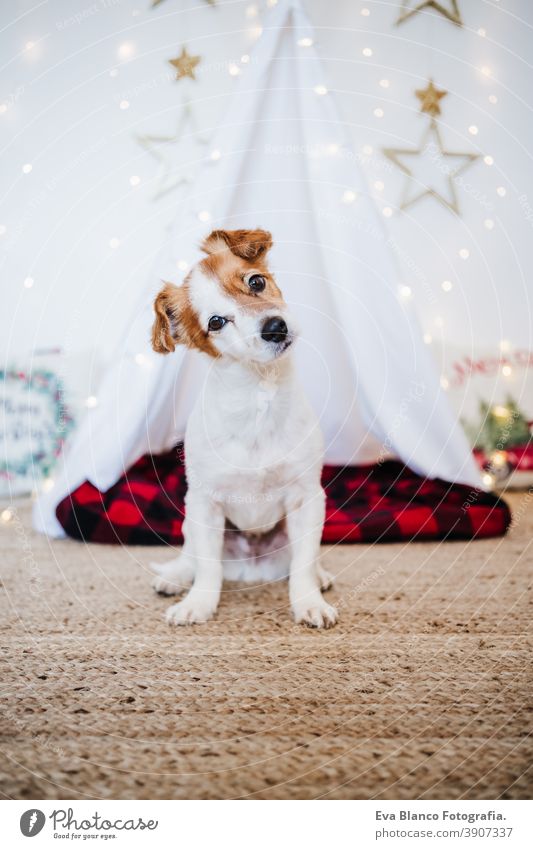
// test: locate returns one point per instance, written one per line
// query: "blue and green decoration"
(34, 424)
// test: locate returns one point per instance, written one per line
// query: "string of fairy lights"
(186, 68)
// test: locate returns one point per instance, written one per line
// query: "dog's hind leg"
(325, 578)
(175, 576)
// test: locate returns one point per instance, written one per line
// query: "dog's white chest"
(250, 483)
(252, 452)
(255, 509)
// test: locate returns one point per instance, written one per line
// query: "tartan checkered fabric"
(381, 503)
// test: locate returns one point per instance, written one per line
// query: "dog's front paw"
(316, 614)
(190, 611)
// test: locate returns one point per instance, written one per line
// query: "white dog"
(253, 447)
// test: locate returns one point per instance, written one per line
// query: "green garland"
(501, 426)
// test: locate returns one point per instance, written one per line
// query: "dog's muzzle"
(274, 330)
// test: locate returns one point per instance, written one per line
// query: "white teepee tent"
(285, 165)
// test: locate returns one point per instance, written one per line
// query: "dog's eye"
(256, 282)
(216, 322)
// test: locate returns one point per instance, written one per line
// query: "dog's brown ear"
(165, 329)
(248, 244)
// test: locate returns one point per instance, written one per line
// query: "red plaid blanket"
(382, 503)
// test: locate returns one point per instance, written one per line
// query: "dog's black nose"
(274, 329)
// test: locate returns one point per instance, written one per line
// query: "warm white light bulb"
(28, 282)
(126, 50)
(320, 89)
(447, 285)
(405, 292)
(135, 180)
(387, 211)
(473, 130)
(379, 113)
(464, 253)
(501, 191)
(498, 459)
(349, 196)
(27, 168)
(305, 42)
(204, 215)
(367, 51)
(124, 104)
(489, 223)
(91, 401)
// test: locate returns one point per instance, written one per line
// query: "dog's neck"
(249, 394)
(236, 375)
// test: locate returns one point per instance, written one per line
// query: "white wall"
(61, 114)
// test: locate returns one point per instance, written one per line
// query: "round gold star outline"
(450, 11)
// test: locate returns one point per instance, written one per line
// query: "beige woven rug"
(422, 690)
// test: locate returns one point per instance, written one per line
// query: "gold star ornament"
(185, 64)
(449, 9)
(430, 98)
